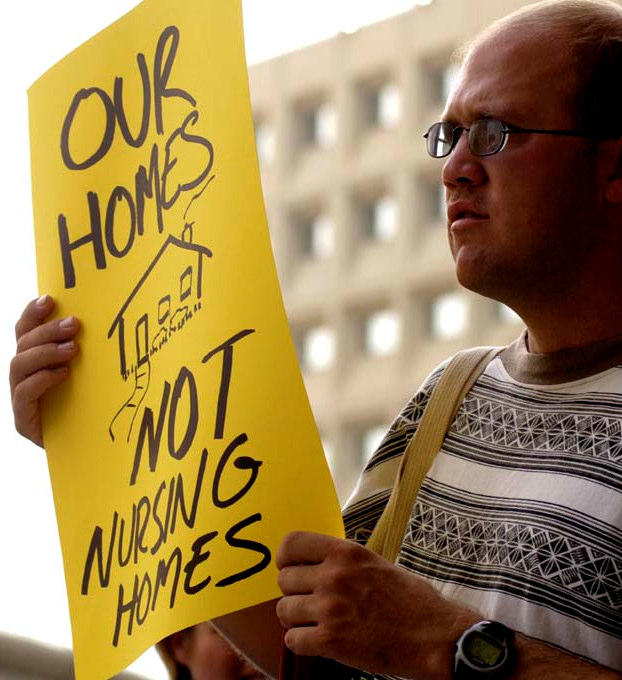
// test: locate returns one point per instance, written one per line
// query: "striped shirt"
(520, 515)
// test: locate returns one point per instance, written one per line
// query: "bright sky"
(37, 34)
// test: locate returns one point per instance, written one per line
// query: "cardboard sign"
(182, 449)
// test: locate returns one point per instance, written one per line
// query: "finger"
(40, 358)
(303, 547)
(58, 330)
(25, 401)
(35, 312)
(298, 580)
(303, 641)
(296, 610)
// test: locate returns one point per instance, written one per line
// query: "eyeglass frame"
(506, 130)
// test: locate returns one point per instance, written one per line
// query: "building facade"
(23, 659)
(357, 219)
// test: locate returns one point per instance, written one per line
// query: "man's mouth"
(463, 212)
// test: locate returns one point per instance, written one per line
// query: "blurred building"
(357, 221)
(22, 659)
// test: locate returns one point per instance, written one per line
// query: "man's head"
(200, 653)
(588, 35)
(536, 216)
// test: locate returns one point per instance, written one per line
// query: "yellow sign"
(182, 449)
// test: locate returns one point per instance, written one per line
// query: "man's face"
(208, 656)
(535, 200)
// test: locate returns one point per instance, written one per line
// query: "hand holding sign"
(44, 350)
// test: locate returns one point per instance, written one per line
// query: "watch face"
(483, 650)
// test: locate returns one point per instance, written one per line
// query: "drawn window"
(164, 309)
(185, 284)
(142, 340)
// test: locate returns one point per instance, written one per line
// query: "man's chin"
(470, 270)
(478, 276)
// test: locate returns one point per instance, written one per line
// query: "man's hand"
(44, 350)
(344, 602)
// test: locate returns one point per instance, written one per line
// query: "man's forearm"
(535, 660)
(538, 661)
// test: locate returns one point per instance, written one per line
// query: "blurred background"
(342, 91)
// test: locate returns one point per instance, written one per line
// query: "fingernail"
(61, 369)
(67, 322)
(66, 346)
(42, 301)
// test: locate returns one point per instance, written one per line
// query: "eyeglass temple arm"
(559, 133)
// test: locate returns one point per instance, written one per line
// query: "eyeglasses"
(486, 137)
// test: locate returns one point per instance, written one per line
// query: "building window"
(450, 79)
(440, 79)
(370, 440)
(318, 125)
(448, 316)
(381, 104)
(507, 315)
(265, 140)
(318, 349)
(380, 218)
(382, 331)
(316, 236)
(432, 200)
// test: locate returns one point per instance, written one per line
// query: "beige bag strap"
(456, 380)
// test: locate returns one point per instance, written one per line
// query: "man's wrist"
(438, 659)
(485, 650)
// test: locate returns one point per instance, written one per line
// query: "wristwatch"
(485, 650)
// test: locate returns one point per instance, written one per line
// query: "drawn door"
(142, 340)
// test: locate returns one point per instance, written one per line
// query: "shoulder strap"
(456, 380)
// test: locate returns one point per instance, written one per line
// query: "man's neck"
(575, 311)
(574, 325)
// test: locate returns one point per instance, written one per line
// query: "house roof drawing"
(171, 240)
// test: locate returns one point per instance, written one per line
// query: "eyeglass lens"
(440, 139)
(485, 138)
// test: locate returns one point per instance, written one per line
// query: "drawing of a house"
(154, 313)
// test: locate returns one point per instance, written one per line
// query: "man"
(520, 518)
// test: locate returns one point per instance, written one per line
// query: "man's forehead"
(512, 77)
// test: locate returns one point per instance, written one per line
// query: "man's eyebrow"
(475, 113)
(481, 113)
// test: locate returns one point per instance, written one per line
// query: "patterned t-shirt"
(520, 516)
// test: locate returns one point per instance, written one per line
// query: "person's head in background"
(201, 653)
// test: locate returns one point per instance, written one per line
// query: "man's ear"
(613, 186)
(180, 647)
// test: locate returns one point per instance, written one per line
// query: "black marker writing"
(125, 207)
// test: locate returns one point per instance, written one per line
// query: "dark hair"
(176, 670)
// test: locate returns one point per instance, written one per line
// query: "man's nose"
(463, 167)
